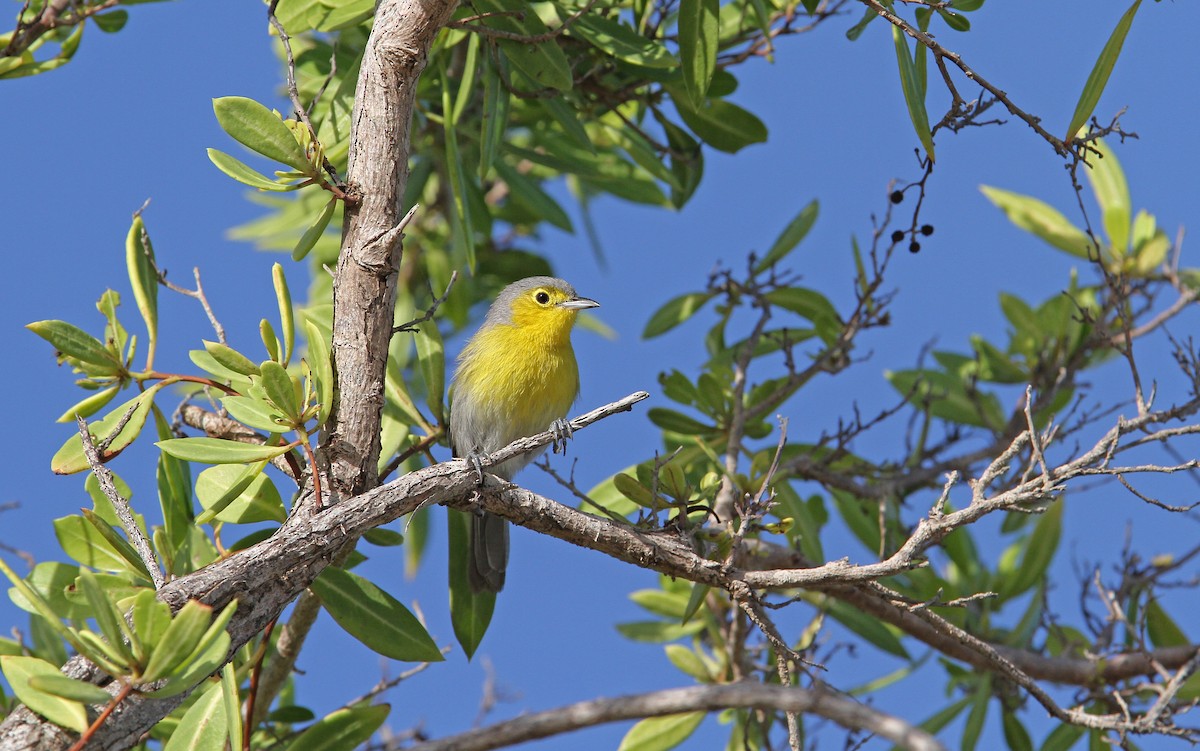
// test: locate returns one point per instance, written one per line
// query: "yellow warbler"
(517, 376)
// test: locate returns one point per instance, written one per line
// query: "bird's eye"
(542, 298)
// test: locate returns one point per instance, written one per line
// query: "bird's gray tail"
(488, 547)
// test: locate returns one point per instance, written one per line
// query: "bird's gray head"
(501, 310)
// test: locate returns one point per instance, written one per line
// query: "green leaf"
(260, 130)
(949, 397)
(245, 174)
(699, 36)
(544, 62)
(281, 391)
(1098, 78)
(674, 312)
(1162, 629)
(287, 320)
(621, 42)
(209, 654)
(314, 232)
(139, 260)
(74, 342)
(688, 662)
(661, 733)
(322, 368)
(1062, 737)
(874, 631)
(111, 22)
(341, 729)
(90, 405)
(1039, 552)
(493, 119)
(791, 236)
(977, 716)
(106, 614)
(470, 612)
(677, 422)
(219, 450)
(1042, 220)
(914, 91)
(63, 687)
(182, 637)
(230, 358)
(70, 459)
(1016, 736)
(724, 125)
(1112, 194)
(204, 727)
(238, 495)
(19, 670)
(526, 191)
(374, 617)
(231, 701)
(431, 356)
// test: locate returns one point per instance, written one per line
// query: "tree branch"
(842, 710)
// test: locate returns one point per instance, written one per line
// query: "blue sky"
(130, 118)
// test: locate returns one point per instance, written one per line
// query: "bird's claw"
(562, 431)
(475, 459)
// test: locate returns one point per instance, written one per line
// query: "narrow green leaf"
(70, 458)
(65, 712)
(63, 687)
(621, 42)
(260, 130)
(1162, 629)
(699, 36)
(677, 422)
(674, 312)
(1112, 194)
(280, 390)
(245, 174)
(1041, 219)
(1098, 78)
(544, 63)
(526, 191)
(1039, 552)
(1015, 735)
(493, 119)
(977, 716)
(1062, 737)
(180, 639)
(287, 321)
(266, 332)
(791, 236)
(139, 260)
(74, 342)
(431, 356)
(219, 450)
(210, 653)
(874, 631)
(230, 358)
(106, 614)
(374, 617)
(912, 87)
(470, 612)
(90, 405)
(232, 702)
(661, 733)
(341, 729)
(314, 232)
(322, 368)
(255, 412)
(204, 726)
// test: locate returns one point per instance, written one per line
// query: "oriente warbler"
(517, 376)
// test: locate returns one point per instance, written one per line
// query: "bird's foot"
(562, 431)
(475, 459)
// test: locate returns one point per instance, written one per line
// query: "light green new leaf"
(74, 342)
(254, 411)
(1039, 552)
(260, 130)
(181, 638)
(431, 356)
(106, 615)
(287, 321)
(65, 712)
(69, 688)
(210, 653)
(219, 450)
(239, 495)
(674, 312)
(245, 174)
(231, 700)
(661, 733)
(374, 617)
(1098, 78)
(143, 277)
(913, 89)
(204, 727)
(699, 35)
(230, 358)
(314, 232)
(90, 405)
(322, 368)
(1041, 219)
(70, 458)
(791, 236)
(280, 390)
(1112, 194)
(342, 729)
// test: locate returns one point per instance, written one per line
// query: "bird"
(516, 376)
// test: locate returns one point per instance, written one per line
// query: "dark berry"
(897, 236)
(914, 246)
(897, 196)
(927, 229)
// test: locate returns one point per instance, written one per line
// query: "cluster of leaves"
(798, 497)
(48, 33)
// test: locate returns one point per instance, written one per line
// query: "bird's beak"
(578, 303)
